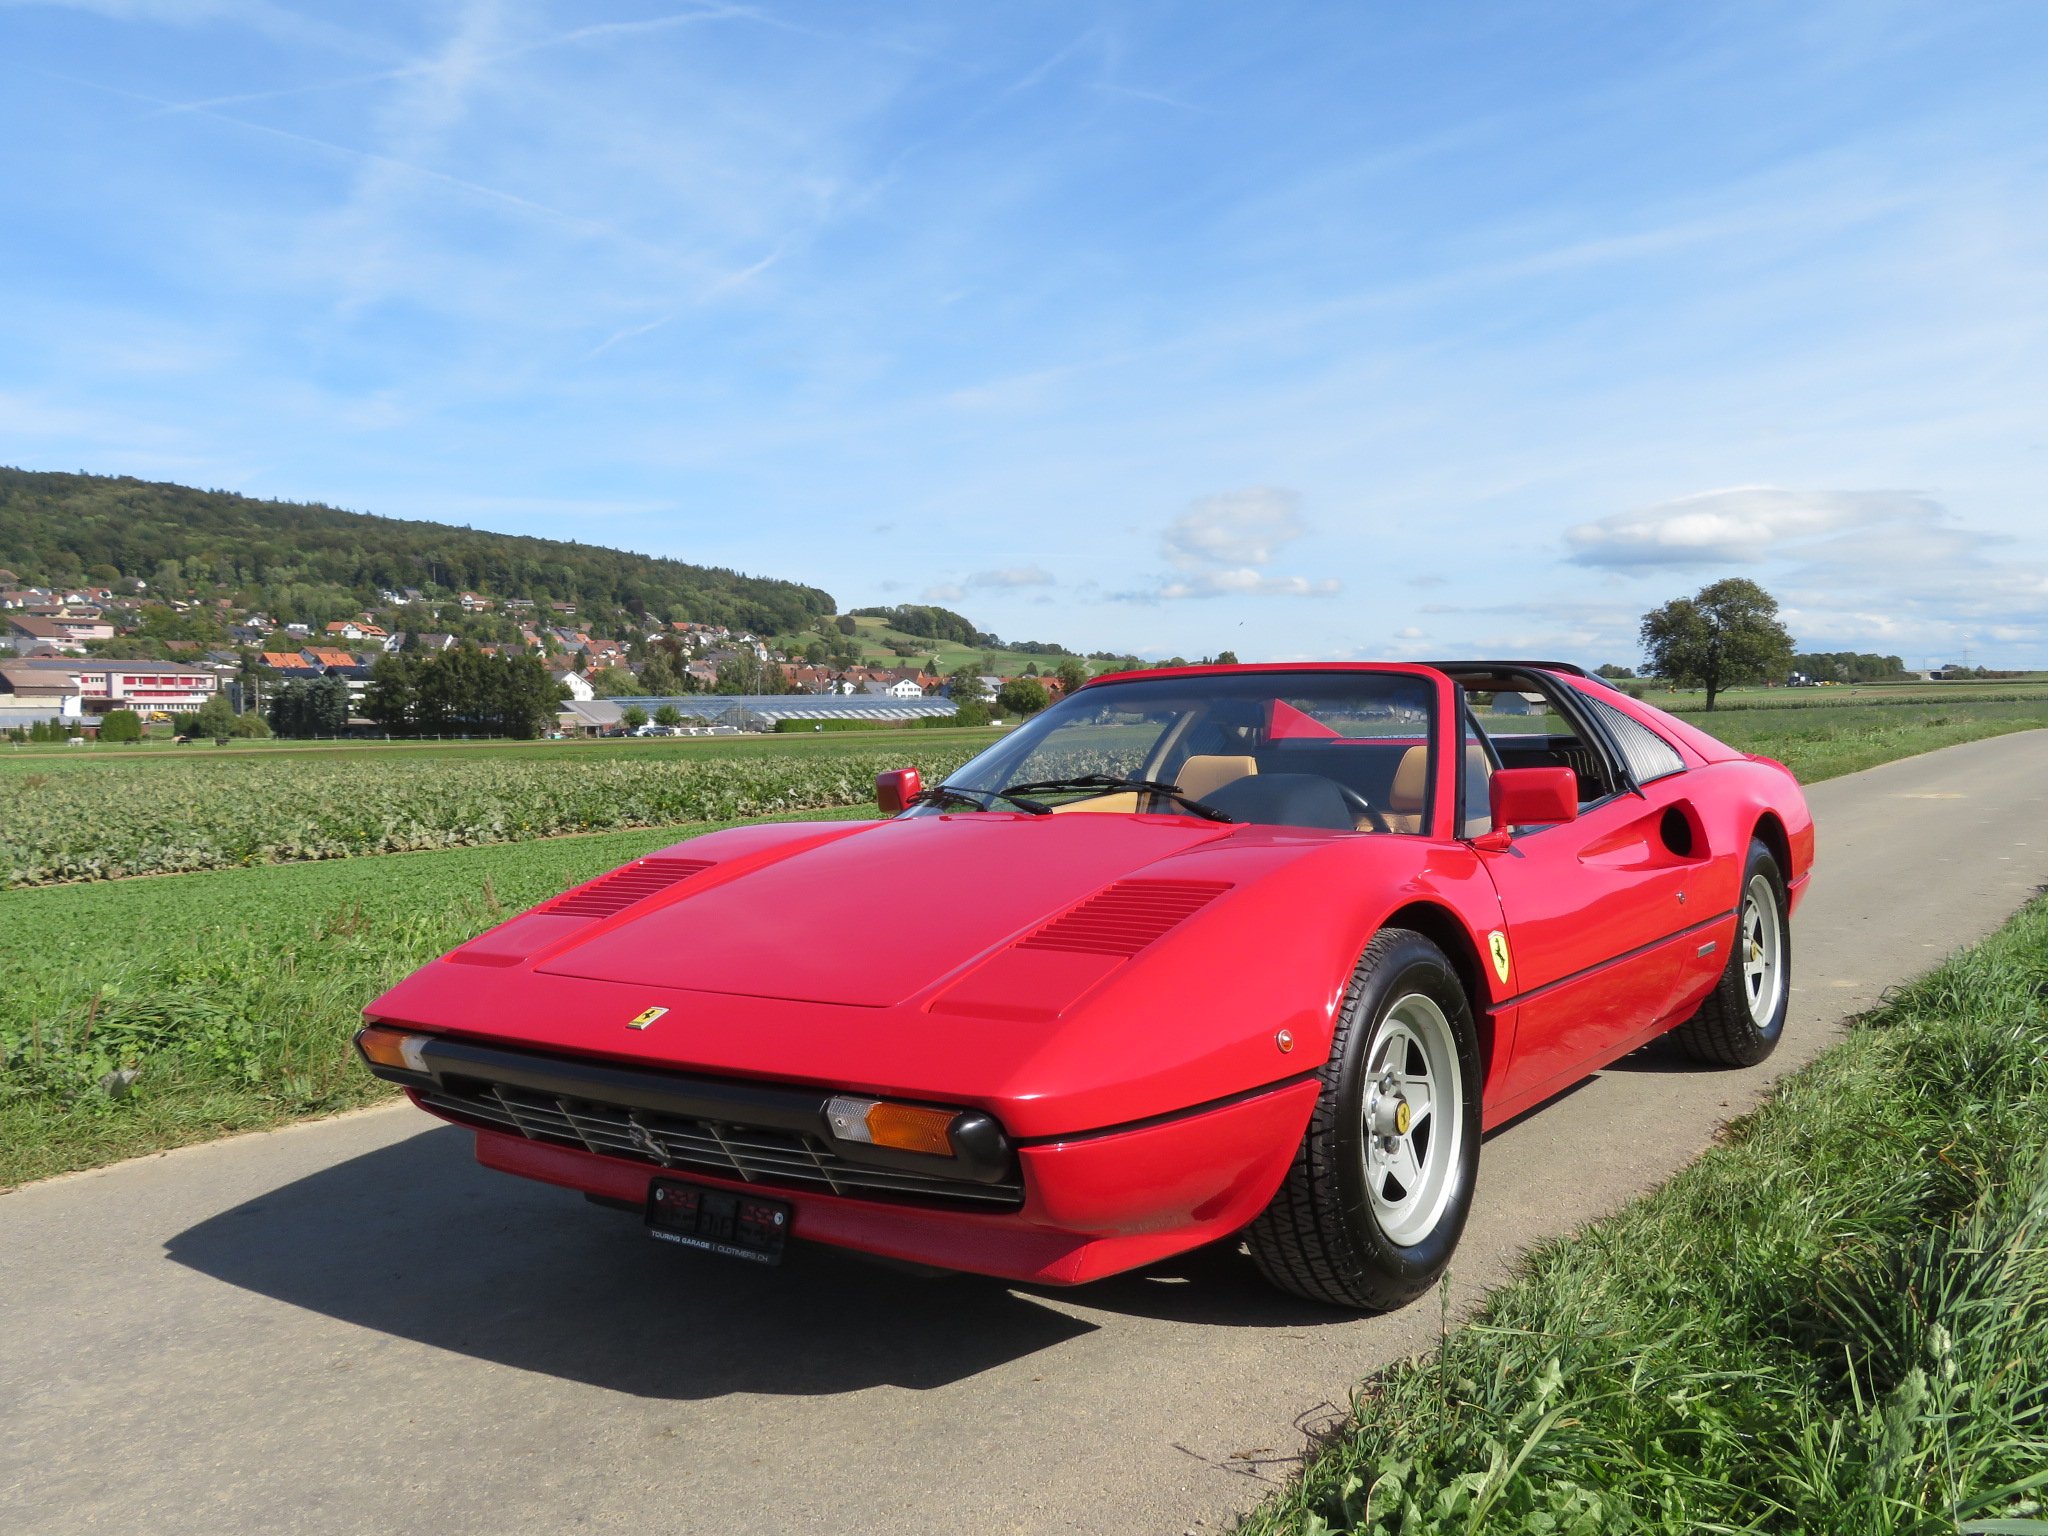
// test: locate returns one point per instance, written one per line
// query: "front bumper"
(773, 1135)
(1061, 1211)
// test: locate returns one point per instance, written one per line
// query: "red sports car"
(1200, 953)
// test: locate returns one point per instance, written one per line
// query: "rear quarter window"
(1649, 755)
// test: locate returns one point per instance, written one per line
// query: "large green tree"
(1725, 634)
(1023, 696)
(215, 718)
(965, 686)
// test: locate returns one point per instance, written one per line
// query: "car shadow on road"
(1662, 1055)
(416, 1241)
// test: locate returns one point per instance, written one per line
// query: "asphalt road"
(348, 1327)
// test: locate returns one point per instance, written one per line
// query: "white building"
(74, 687)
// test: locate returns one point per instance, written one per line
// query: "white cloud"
(1244, 581)
(1741, 525)
(1013, 576)
(1245, 527)
(1221, 544)
(944, 592)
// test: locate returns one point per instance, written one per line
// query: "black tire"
(1323, 1236)
(1731, 1029)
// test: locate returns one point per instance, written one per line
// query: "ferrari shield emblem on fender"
(1498, 943)
(643, 1019)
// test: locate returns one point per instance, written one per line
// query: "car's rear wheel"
(1379, 1191)
(1743, 1018)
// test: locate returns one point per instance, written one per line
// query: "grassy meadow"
(1833, 1322)
(1841, 731)
(883, 646)
(233, 993)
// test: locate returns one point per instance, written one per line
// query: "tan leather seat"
(1478, 782)
(1122, 803)
(1205, 773)
(1200, 775)
(1410, 790)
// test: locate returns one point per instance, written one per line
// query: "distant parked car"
(1222, 952)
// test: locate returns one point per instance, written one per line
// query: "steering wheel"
(1359, 804)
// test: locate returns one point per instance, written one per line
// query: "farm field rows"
(102, 818)
(1831, 1322)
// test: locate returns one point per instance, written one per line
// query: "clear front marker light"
(903, 1127)
(399, 1049)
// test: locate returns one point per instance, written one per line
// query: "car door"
(1596, 910)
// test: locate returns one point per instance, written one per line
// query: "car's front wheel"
(1379, 1191)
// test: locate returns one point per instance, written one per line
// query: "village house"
(562, 671)
(26, 634)
(290, 664)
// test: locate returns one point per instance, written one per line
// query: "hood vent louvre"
(621, 888)
(1126, 917)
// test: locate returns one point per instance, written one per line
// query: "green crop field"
(95, 816)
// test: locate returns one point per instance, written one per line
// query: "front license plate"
(718, 1221)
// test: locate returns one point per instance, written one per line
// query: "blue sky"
(1319, 330)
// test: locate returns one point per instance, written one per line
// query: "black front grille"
(775, 1158)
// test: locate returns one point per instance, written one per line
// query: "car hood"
(873, 918)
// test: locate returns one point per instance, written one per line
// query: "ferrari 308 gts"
(1250, 952)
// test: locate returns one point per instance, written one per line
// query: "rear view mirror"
(895, 789)
(1527, 797)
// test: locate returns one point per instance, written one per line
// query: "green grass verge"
(1823, 742)
(1835, 1321)
(234, 993)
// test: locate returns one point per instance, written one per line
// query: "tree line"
(306, 557)
(460, 692)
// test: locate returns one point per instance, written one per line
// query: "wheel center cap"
(1403, 1117)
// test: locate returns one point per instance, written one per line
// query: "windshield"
(1343, 751)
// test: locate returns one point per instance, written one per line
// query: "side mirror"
(1526, 797)
(895, 789)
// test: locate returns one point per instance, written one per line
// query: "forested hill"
(306, 557)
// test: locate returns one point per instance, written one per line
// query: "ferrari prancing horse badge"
(1498, 943)
(642, 1020)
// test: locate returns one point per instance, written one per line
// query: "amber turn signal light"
(903, 1127)
(398, 1049)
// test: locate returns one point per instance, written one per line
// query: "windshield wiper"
(940, 794)
(1099, 784)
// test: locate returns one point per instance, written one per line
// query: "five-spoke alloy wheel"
(1743, 1017)
(1379, 1190)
